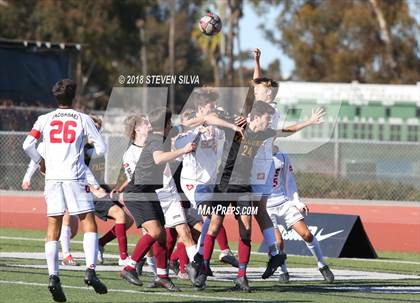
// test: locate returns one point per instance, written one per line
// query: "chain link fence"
(344, 169)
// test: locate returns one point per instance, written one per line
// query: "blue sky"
(252, 37)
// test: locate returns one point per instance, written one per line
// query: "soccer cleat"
(200, 281)
(284, 277)
(166, 283)
(174, 266)
(226, 256)
(54, 286)
(327, 274)
(123, 262)
(139, 266)
(70, 261)
(192, 270)
(92, 280)
(241, 284)
(183, 276)
(100, 258)
(131, 277)
(274, 263)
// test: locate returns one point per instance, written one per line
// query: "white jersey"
(64, 133)
(263, 159)
(284, 183)
(32, 167)
(130, 159)
(200, 167)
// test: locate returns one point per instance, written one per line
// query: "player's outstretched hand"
(190, 147)
(26, 185)
(257, 53)
(42, 166)
(240, 121)
(239, 130)
(317, 116)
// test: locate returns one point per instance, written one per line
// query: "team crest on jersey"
(261, 176)
(190, 186)
(87, 188)
(125, 165)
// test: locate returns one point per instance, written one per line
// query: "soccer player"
(70, 223)
(284, 207)
(106, 208)
(265, 89)
(64, 131)
(235, 175)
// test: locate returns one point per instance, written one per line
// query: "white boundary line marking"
(133, 291)
(252, 252)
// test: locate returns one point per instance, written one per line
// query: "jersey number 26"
(62, 131)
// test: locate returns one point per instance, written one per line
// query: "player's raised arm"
(94, 136)
(316, 118)
(257, 68)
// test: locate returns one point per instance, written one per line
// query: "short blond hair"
(130, 124)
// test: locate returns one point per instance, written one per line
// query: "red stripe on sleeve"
(35, 133)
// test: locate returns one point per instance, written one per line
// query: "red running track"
(390, 227)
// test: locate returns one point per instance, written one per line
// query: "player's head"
(65, 91)
(265, 89)
(205, 100)
(261, 115)
(160, 119)
(136, 125)
(187, 114)
(97, 121)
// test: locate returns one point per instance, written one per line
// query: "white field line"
(253, 252)
(134, 291)
(378, 289)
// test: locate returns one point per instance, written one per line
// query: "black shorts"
(102, 206)
(143, 211)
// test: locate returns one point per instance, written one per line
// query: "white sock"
(316, 252)
(65, 240)
(51, 254)
(270, 241)
(283, 268)
(90, 247)
(191, 252)
(131, 262)
(204, 230)
(151, 261)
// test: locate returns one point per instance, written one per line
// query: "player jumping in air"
(64, 132)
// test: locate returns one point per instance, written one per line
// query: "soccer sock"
(244, 252)
(222, 239)
(151, 261)
(122, 239)
(183, 255)
(208, 249)
(270, 241)
(140, 250)
(51, 254)
(65, 240)
(159, 251)
(174, 256)
(108, 237)
(204, 230)
(191, 252)
(90, 247)
(171, 236)
(316, 252)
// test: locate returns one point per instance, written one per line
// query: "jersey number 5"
(62, 132)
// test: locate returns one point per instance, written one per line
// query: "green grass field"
(18, 284)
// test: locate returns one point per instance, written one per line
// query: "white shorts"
(285, 214)
(73, 196)
(174, 213)
(189, 190)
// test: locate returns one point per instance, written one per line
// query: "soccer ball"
(210, 24)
